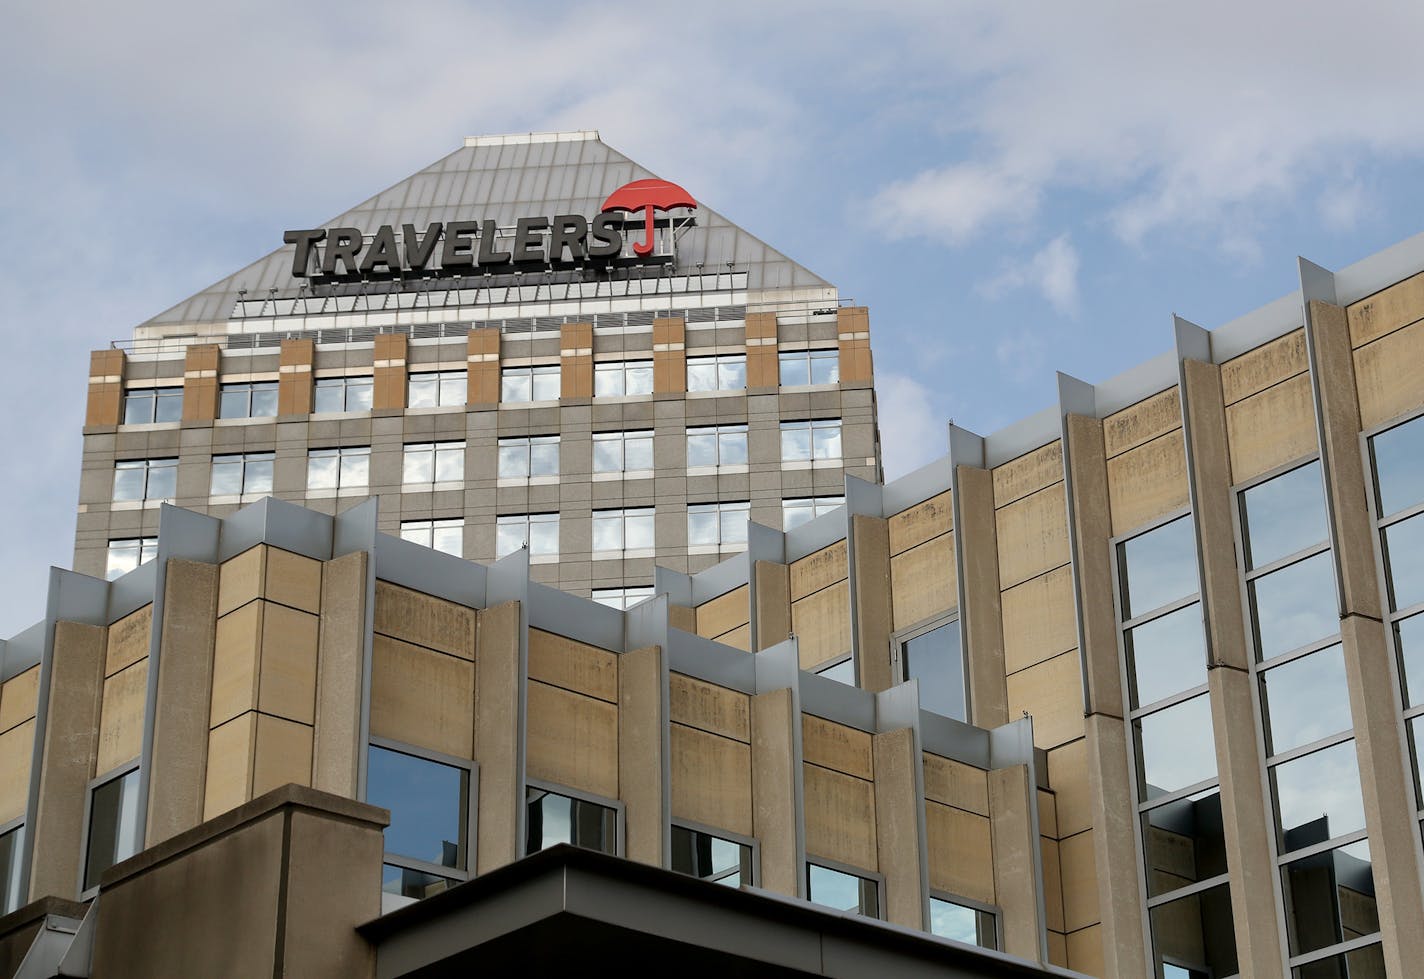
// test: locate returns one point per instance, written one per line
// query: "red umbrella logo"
(649, 196)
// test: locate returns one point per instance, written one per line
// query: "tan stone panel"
(1051, 691)
(1080, 881)
(681, 617)
(1147, 482)
(240, 579)
(921, 522)
(1073, 797)
(1028, 473)
(121, 717)
(19, 697)
(287, 679)
(1141, 423)
(1032, 535)
(1047, 813)
(923, 581)
(572, 740)
(422, 697)
(235, 663)
(283, 754)
(961, 852)
(708, 707)
(1271, 428)
(425, 620)
(573, 665)
(128, 640)
(783, 868)
(1268, 364)
(1085, 951)
(738, 638)
(711, 779)
(1387, 310)
(835, 746)
(821, 623)
(17, 747)
(1052, 884)
(724, 613)
(1387, 376)
(293, 579)
(1058, 949)
(954, 783)
(816, 571)
(228, 781)
(840, 817)
(1040, 619)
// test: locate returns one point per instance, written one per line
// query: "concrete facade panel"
(1141, 423)
(422, 697)
(711, 780)
(840, 818)
(1032, 536)
(573, 740)
(710, 708)
(961, 852)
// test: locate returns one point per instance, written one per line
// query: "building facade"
(497, 377)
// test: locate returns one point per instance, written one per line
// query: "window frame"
(940, 620)
(249, 390)
(434, 448)
(814, 506)
(620, 840)
(441, 376)
(144, 544)
(243, 458)
(140, 824)
(721, 543)
(731, 837)
(811, 424)
(345, 379)
(148, 467)
(974, 905)
(153, 396)
(17, 872)
(621, 436)
(531, 371)
(840, 867)
(804, 355)
(624, 597)
(717, 361)
(542, 557)
(621, 368)
(527, 443)
(625, 551)
(326, 492)
(431, 522)
(716, 433)
(472, 810)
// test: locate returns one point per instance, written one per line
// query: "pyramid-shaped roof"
(504, 178)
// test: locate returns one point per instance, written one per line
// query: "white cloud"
(1052, 271)
(912, 433)
(1020, 355)
(953, 203)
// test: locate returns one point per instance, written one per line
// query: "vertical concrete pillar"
(106, 388)
(388, 363)
(669, 356)
(499, 718)
(773, 604)
(763, 364)
(1016, 848)
(76, 688)
(853, 332)
(870, 547)
(643, 755)
(180, 716)
(776, 769)
(341, 644)
(1375, 701)
(1244, 806)
(1115, 848)
(200, 382)
(982, 612)
(576, 360)
(899, 846)
(294, 377)
(483, 359)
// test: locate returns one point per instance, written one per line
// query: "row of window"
(431, 389)
(439, 462)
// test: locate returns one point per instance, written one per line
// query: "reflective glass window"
(536, 383)
(727, 372)
(414, 884)
(147, 405)
(719, 524)
(1166, 655)
(622, 598)
(620, 530)
(962, 923)
(1415, 727)
(348, 467)
(1294, 606)
(1158, 567)
(430, 389)
(1175, 747)
(717, 445)
(434, 462)
(936, 660)
(1184, 842)
(623, 451)
(1367, 960)
(809, 367)
(11, 860)
(1318, 797)
(808, 440)
(1410, 635)
(249, 473)
(257, 399)
(539, 530)
(1399, 467)
(841, 672)
(1404, 556)
(622, 377)
(842, 891)
(711, 857)
(553, 818)
(1284, 515)
(1305, 700)
(343, 394)
(442, 535)
(1329, 898)
(128, 553)
(1195, 935)
(799, 510)
(113, 826)
(145, 479)
(429, 803)
(524, 457)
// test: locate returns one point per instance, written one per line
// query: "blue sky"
(1013, 189)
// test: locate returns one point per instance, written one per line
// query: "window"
(808, 440)
(1329, 900)
(145, 405)
(127, 553)
(842, 891)
(717, 524)
(521, 458)
(810, 367)
(932, 655)
(237, 475)
(623, 452)
(428, 840)
(539, 530)
(795, 512)
(612, 378)
(255, 399)
(699, 854)
(113, 824)
(343, 393)
(962, 921)
(727, 372)
(529, 383)
(12, 858)
(552, 818)
(434, 462)
(432, 389)
(1193, 935)
(841, 670)
(145, 479)
(442, 535)
(622, 598)
(717, 445)
(623, 530)
(339, 469)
